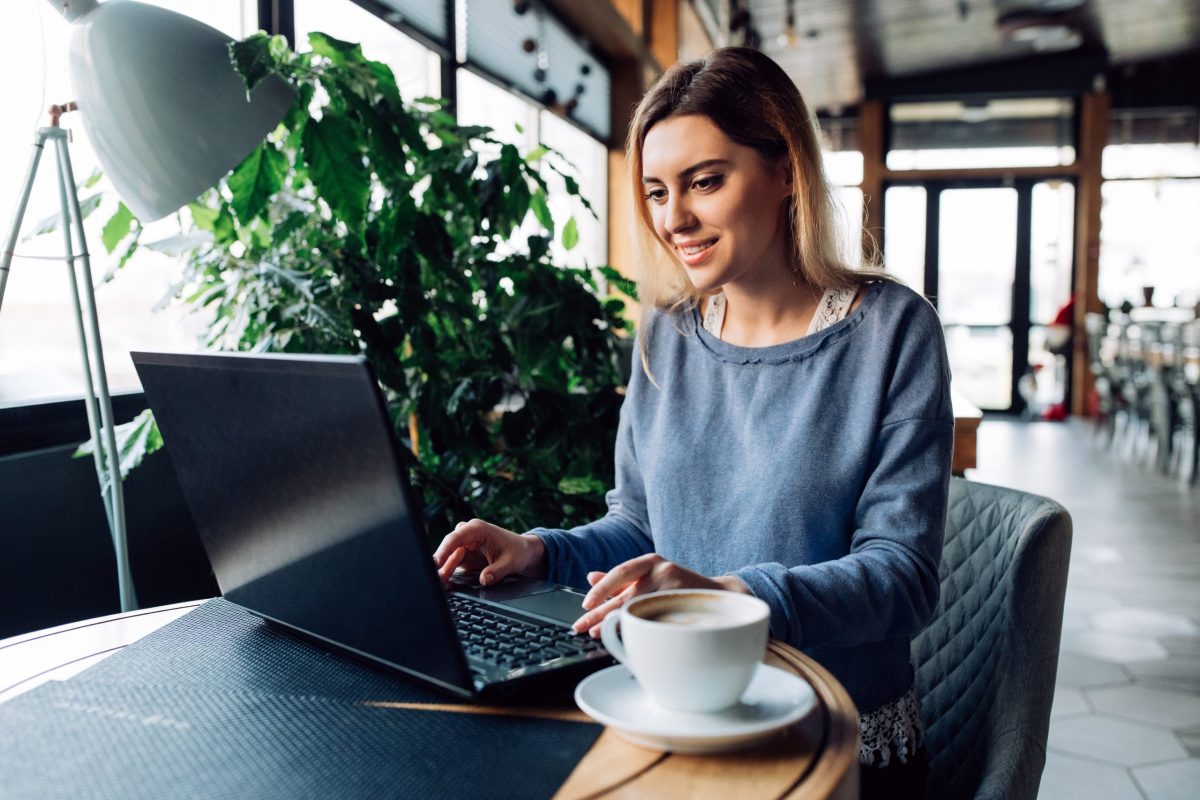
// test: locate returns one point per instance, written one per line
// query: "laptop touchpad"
(561, 604)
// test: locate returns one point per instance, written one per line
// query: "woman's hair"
(753, 102)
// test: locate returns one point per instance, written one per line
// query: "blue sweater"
(816, 471)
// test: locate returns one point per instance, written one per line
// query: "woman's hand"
(642, 575)
(494, 551)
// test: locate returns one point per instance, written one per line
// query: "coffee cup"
(691, 650)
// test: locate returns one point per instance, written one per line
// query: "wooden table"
(966, 422)
(815, 758)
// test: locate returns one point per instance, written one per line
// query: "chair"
(986, 664)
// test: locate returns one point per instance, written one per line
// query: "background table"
(967, 417)
(816, 758)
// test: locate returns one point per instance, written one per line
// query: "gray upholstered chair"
(986, 664)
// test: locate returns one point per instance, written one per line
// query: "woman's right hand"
(492, 550)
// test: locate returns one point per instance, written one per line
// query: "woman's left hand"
(642, 575)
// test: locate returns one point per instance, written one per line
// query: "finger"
(593, 577)
(617, 578)
(456, 557)
(591, 620)
(461, 536)
(497, 570)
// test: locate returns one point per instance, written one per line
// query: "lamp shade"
(166, 112)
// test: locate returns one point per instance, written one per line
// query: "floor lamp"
(168, 116)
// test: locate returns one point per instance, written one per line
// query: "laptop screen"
(291, 470)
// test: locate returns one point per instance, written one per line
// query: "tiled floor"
(1126, 716)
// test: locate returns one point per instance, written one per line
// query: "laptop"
(297, 486)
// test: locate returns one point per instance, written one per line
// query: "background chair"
(986, 664)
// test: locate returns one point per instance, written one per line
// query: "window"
(39, 352)
(1149, 238)
(417, 68)
(586, 161)
(904, 234)
(844, 170)
(512, 119)
(1033, 132)
(518, 122)
(1150, 202)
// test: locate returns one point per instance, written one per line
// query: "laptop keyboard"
(497, 638)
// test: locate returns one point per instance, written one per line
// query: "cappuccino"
(690, 649)
(688, 609)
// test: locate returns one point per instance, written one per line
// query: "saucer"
(773, 700)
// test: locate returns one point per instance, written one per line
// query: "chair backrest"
(986, 664)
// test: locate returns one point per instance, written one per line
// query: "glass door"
(996, 260)
(976, 273)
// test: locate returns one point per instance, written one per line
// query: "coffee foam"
(701, 610)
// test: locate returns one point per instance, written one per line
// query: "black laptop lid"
(291, 471)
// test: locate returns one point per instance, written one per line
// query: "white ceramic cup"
(690, 649)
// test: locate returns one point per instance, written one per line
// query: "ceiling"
(836, 47)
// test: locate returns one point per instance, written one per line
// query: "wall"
(56, 556)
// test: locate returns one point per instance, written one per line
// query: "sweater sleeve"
(887, 585)
(621, 534)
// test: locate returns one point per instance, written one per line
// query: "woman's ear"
(785, 164)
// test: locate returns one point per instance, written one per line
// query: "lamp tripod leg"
(10, 243)
(97, 400)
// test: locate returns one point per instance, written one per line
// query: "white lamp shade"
(163, 106)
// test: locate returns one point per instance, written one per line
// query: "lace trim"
(834, 306)
(714, 315)
(893, 729)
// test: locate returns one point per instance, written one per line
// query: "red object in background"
(1066, 314)
(1055, 412)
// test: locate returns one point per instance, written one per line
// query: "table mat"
(223, 647)
(102, 741)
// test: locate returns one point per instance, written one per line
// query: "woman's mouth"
(695, 254)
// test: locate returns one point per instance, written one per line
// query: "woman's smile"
(693, 254)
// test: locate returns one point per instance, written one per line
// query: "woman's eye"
(657, 195)
(707, 182)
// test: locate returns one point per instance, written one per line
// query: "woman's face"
(715, 203)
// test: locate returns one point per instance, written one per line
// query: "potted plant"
(365, 224)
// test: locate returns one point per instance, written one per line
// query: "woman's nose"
(678, 216)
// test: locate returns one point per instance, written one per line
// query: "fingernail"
(485, 579)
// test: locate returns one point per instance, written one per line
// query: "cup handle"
(611, 638)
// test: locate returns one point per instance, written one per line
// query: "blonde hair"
(753, 102)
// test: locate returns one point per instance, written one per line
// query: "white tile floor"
(1126, 716)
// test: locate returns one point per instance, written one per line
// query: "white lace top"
(894, 729)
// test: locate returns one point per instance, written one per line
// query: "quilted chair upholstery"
(986, 664)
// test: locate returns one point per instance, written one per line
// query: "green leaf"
(331, 151)
(570, 234)
(92, 179)
(50, 224)
(136, 439)
(253, 59)
(336, 50)
(541, 210)
(585, 484)
(217, 221)
(130, 249)
(536, 154)
(625, 285)
(256, 180)
(180, 243)
(203, 217)
(117, 227)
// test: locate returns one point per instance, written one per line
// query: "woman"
(789, 434)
